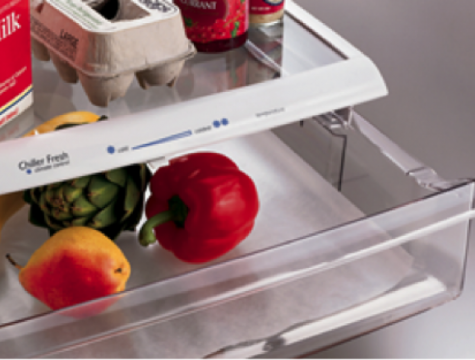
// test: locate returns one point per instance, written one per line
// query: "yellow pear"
(74, 117)
(75, 265)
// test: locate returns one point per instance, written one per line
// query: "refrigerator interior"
(336, 251)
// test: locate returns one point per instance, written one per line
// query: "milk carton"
(15, 59)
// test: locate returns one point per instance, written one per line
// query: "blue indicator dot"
(110, 149)
(28, 171)
(225, 121)
(216, 124)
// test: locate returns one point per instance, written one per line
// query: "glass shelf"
(265, 57)
(291, 48)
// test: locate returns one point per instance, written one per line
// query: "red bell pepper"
(201, 207)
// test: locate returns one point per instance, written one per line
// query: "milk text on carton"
(9, 24)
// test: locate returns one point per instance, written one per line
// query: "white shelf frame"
(165, 131)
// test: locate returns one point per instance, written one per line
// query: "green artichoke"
(110, 202)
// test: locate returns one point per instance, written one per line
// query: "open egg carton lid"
(321, 72)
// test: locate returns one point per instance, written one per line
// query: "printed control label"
(48, 162)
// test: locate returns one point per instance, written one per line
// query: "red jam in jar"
(215, 25)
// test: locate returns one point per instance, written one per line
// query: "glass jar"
(265, 11)
(215, 25)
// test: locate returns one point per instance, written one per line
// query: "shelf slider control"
(157, 163)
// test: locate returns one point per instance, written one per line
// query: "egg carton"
(104, 44)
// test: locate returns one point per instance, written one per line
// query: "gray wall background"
(425, 50)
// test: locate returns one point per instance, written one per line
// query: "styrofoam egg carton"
(105, 43)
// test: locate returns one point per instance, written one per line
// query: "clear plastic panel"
(367, 175)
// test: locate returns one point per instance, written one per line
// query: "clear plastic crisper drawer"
(336, 251)
(352, 233)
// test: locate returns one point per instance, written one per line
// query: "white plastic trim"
(169, 130)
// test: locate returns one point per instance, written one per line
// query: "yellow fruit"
(75, 117)
(75, 265)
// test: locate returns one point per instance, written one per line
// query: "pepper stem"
(13, 262)
(177, 212)
(146, 235)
